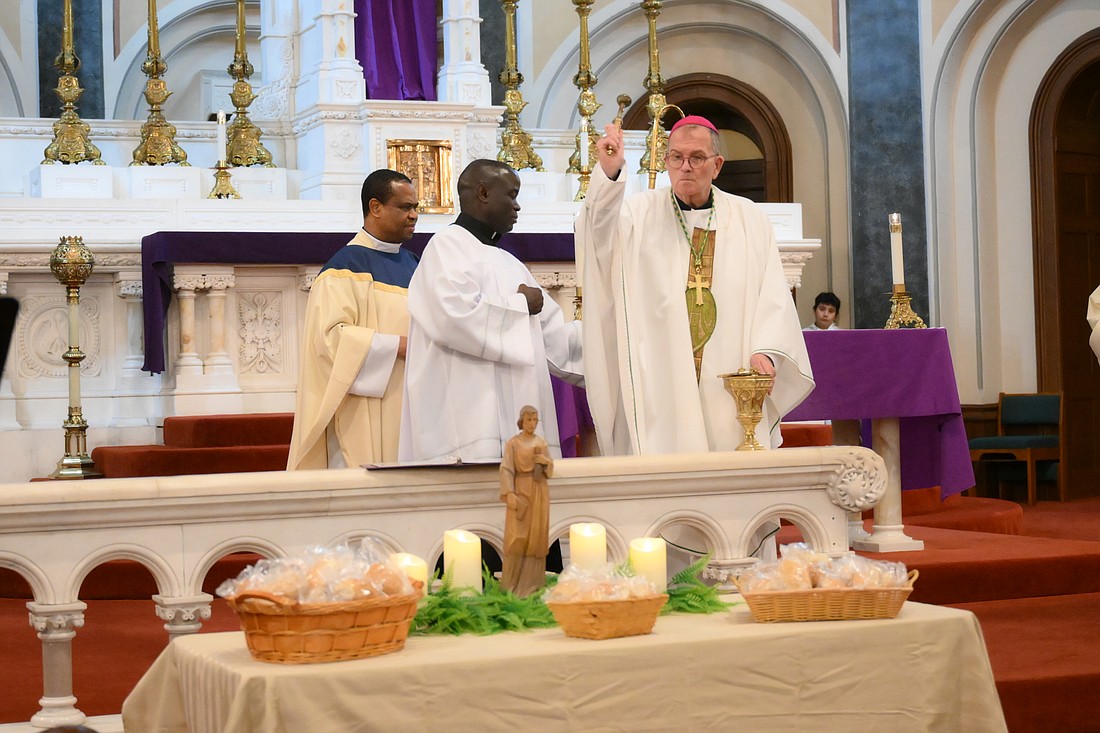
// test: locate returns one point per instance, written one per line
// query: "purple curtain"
(395, 42)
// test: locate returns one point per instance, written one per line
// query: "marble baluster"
(56, 624)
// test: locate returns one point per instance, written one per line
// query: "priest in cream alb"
(681, 284)
(348, 408)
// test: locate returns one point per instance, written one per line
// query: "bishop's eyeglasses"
(675, 160)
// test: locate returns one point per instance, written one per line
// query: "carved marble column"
(128, 288)
(4, 283)
(183, 614)
(217, 360)
(186, 284)
(56, 625)
(463, 79)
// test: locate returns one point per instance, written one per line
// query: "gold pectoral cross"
(702, 310)
(699, 284)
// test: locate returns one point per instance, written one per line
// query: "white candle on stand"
(221, 135)
(588, 545)
(584, 143)
(462, 558)
(647, 555)
(415, 567)
(897, 262)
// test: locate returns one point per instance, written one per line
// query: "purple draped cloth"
(395, 43)
(903, 373)
(162, 250)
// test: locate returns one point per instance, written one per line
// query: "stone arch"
(237, 544)
(168, 584)
(713, 533)
(41, 587)
(356, 536)
(989, 63)
(814, 533)
(189, 33)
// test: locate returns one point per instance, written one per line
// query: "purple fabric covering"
(395, 43)
(571, 406)
(904, 373)
(162, 250)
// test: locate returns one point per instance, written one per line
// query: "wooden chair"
(1029, 428)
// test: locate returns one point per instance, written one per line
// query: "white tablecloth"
(926, 670)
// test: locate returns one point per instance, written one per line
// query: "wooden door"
(1066, 177)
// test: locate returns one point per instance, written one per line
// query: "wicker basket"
(608, 619)
(278, 630)
(828, 604)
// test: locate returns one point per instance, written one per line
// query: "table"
(925, 670)
(904, 381)
(160, 251)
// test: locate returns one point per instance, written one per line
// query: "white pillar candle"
(584, 143)
(647, 556)
(415, 567)
(897, 262)
(462, 558)
(588, 545)
(221, 135)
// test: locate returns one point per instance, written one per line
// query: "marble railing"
(178, 527)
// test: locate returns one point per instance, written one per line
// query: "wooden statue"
(524, 469)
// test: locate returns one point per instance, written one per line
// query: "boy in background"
(826, 308)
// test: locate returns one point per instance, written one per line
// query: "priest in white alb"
(680, 285)
(483, 336)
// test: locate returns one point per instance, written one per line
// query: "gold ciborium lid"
(749, 388)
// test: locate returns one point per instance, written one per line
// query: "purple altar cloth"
(903, 373)
(160, 251)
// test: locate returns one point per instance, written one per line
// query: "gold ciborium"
(749, 388)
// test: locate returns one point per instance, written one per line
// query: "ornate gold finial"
(71, 263)
(158, 137)
(245, 148)
(515, 144)
(749, 389)
(70, 133)
(657, 139)
(581, 159)
(653, 160)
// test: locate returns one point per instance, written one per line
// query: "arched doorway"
(1065, 171)
(755, 140)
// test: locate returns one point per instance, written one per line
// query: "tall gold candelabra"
(70, 133)
(581, 160)
(71, 263)
(245, 148)
(653, 160)
(158, 137)
(515, 143)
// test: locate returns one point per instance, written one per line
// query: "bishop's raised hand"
(611, 151)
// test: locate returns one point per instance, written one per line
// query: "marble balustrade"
(178, 527)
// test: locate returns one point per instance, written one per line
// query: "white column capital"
(183, 614)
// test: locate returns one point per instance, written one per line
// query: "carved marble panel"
(43, 337)
(260, 327)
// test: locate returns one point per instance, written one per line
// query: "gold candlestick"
(515, 144)
(581, 160)
(71, 263)
(749, 388)
(223, 186)
(158, 137)
(653, 160)
(902, 314)
(245, 148)
(70, 133)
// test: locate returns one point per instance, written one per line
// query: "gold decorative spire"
(245, 148)
(653, 160)
(158, 137)
(515, 144)
(581, 159)
(70, 133)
